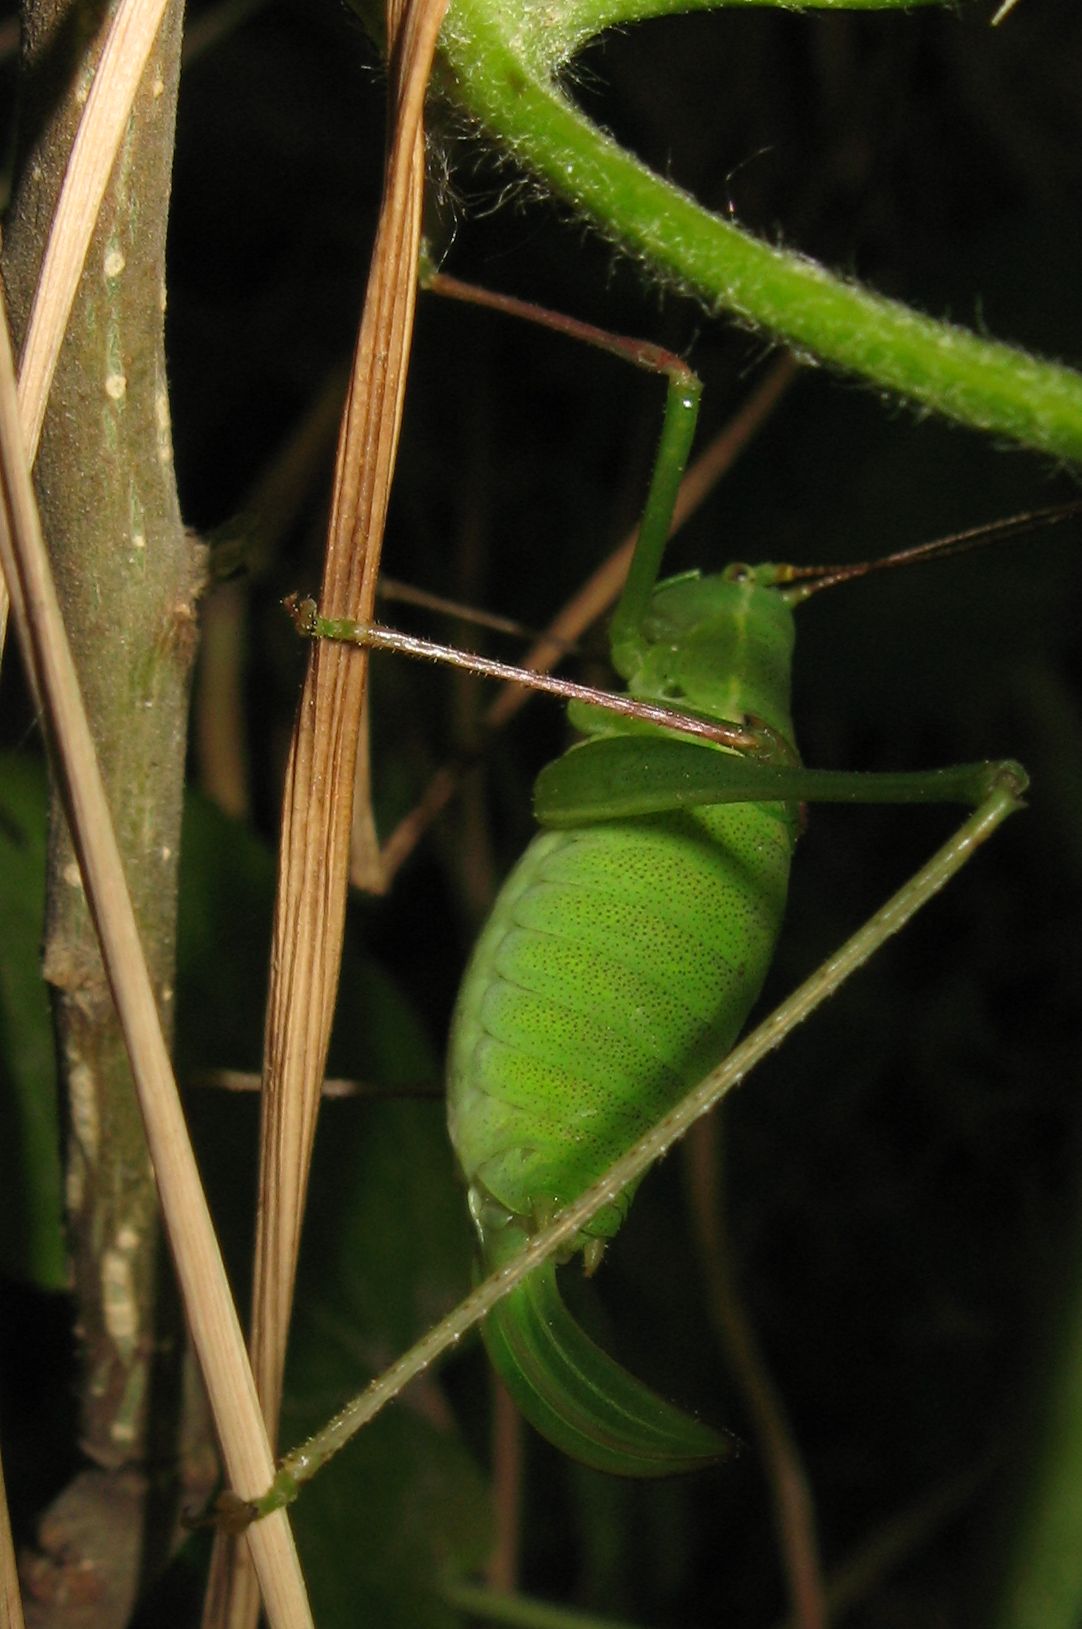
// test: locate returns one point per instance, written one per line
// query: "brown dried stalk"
(313, 871)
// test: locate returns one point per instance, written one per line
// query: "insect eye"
(738, 572)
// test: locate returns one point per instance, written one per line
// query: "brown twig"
(793, 1511)
(269, 509)
(501, 1574)
(891, 1544)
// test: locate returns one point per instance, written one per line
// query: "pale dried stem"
(11, 1605)
(101, 129)
(213, 1321)
(593, 599)
(120, 71)
(313, 871)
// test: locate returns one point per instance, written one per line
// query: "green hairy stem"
(501, 66)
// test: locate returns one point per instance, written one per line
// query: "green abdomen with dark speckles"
(622, 958)
(617, 968)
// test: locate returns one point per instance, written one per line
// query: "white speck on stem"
(72, 875)
(114, 261)
(164, 426)
(115, 386)
(118, 1299)
(84, 1110)
(75, 1181)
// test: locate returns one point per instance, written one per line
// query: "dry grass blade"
(595, 597)
(313, 866)
(105, 118)
(213, 1320)
(313, 872)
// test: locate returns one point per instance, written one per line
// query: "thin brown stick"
(793, 1511)
(597, 594)
(212, 1317)
(269, 509)
(890, 1545)
(219, 737)
(391, 590)
(501, 1573)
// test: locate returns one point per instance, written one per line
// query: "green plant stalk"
(1042, 1580)
(127, 575)
(500, 66)
(522, 1611)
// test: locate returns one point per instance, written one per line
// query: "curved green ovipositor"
(581, 1399)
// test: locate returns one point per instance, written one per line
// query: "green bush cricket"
(693, 782)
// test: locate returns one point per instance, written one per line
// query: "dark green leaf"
(31, 1237)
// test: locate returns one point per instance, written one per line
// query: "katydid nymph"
(628, 945)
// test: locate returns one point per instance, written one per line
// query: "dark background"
(901, 1179)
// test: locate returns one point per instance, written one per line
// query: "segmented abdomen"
(617, 967)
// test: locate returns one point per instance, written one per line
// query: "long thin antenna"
(814, 578)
